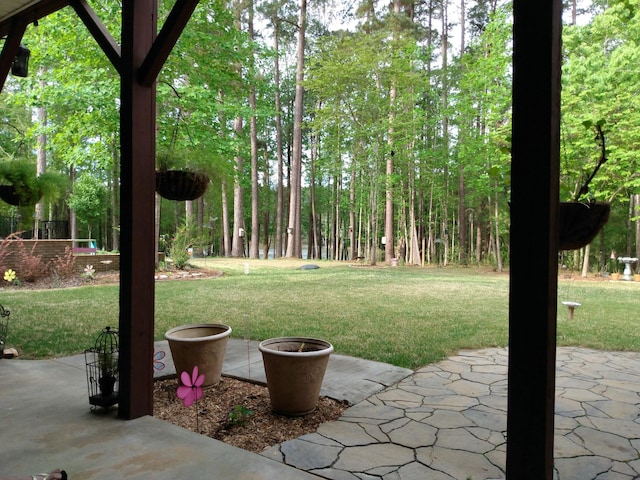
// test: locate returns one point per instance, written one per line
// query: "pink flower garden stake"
(191, 389)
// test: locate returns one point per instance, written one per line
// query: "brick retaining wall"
(49, 250)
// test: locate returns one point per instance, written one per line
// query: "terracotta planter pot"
(295, 368)
(579, 223)
(201, 345)
(181, 185)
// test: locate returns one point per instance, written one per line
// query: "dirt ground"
(239, 413)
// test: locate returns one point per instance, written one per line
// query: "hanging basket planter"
(19, 197)
(181, 185)
(579, 223)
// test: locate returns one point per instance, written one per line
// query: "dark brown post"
(534, 239)
(137, 131)
(10, 48)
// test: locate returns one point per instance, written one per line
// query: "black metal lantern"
(20, 65)
(102, 369)
(4, 328)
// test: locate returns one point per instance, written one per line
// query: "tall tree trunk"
(497, 227)
(353, 248)
(73, 224)
(585, 261)
(389, 248)
(414, 247)
(279, 152)
(337, 219)
(115, 205)
(375, 232)
(314, 238)
(445, 125)
(41, 163)
(226, 244)
(188, 212)
(294, 235)
(462, 218)
(158, 218)
(254, 248)
(636, 203)
(431, 244)
(226, 233)
(265, 208)
(200, 214)
(237, 249)
(629, 229)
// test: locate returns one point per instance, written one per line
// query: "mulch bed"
(238, 412)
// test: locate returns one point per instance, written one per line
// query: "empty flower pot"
(201, 345)
(295, 368)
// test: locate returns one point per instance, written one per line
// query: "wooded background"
(371, 131)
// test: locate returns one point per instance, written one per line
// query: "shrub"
(65, 266)
(31, 268)
(4, 252)
(179, 251)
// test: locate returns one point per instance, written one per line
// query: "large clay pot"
(201, 345)
(294, 367)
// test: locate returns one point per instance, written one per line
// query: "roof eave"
(31, 14)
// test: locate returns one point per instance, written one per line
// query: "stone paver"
(447, 421)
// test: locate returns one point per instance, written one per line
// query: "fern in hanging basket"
(19, 185)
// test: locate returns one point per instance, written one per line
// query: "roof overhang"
(25, 12)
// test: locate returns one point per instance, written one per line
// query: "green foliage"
(21, 175)
(483, 107)
(180, 245)
(185, 238)
(600, 76)
(88, 199)
(383, 86)
(239, 415)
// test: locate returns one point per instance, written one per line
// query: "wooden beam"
(10, 49)
(137, 251)
(534, 239)
(99, 31)
(167, 38)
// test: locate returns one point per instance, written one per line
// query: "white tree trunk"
(294, 236)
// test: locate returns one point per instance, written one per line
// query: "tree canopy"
(404, 125)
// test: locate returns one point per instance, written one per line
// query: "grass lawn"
(407, 316)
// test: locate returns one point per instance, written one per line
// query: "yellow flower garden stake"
(10, 276)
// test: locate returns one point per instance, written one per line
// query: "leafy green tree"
(482, 118)
(88, 200)
(600, 77)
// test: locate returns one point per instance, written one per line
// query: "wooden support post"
(534, 239)
(137, 140)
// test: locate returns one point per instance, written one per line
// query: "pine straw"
(239, 413)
